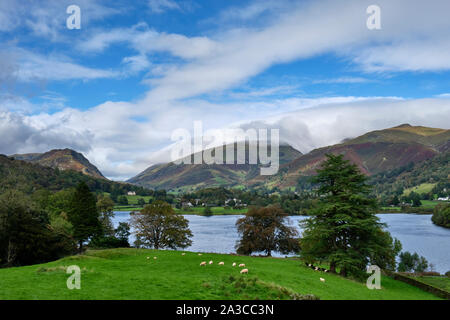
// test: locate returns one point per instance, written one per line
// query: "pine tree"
(343, 228)
(83, 215)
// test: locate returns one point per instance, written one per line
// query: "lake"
(416, 232)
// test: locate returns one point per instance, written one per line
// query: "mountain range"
(374, 152)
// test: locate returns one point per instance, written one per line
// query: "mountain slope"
(373, 152)
(63, 159)
(185, 177)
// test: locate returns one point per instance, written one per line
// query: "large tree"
(83, 215)
(343, 229)
(26, 236)
(265, 230)
(158, 226)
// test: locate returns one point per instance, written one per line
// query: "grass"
(128, 274)
(420, 189)
(441, 282)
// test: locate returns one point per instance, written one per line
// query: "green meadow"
(135, 274)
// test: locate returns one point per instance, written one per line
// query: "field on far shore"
(135, 274)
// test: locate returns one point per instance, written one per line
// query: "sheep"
(211, 262)
(199, 254)
(322, 279)
(244, 271)
(148, 258)
(234, 264)
(242, 265)
(221, 263)
(183, 254)
(154, 258)
(203, 263)
(316, 268)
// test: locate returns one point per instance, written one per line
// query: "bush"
(412, 263)
(447, 274)
(441, 215)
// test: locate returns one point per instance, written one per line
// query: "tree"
(141, 202)
(123, 233)
(158, 226)
(83, 215)
(122, 200)
(264, 230)
(343, 229)
(26, 236)
(105, 207)
(441, 215)
(207, 211)
(412, 262)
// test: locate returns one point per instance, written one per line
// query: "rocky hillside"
(63, 159)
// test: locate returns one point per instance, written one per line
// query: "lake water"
(416, 232)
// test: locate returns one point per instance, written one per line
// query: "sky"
(118, 87)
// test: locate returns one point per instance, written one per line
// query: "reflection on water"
(416, 232)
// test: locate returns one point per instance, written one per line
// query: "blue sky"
(117, 88)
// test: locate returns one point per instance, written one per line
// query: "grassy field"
(128, 274)
(438, 282)
(420, 189)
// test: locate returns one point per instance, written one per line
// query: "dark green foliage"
(122, 200)
(265, 230)
(25, 234)
(207, 211)
(83, 215)
(343, 229)
(441, 215)
(412, 262)
(158, 226)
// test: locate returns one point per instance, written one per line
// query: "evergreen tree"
(343, 228)
(83, 215)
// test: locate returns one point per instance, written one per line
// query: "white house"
(444, 199)
(131, 193)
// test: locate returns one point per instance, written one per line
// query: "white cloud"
(160, 6)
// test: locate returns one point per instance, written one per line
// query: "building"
(131, 193)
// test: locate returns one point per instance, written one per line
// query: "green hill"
(188, 177)
(128, 274)
(29, 177)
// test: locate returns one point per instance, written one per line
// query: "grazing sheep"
(316, 268)
(322, 279)
(244, 271)
(148, 258)
(154, 258)
(221, 263)
(211, 262)
(203, 263)
(183, 254)
(234, 264)
(199, 254)
(242, 265)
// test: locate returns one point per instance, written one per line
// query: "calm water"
(416, 232)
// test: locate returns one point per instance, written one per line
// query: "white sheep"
(211, 262)
(221, 263)
(183, 254)
(148, 258)
(234, 264)
(154, 258)
(199, 254)
(244, 271)
(203, 263)
(242, 265)
(322, 279)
